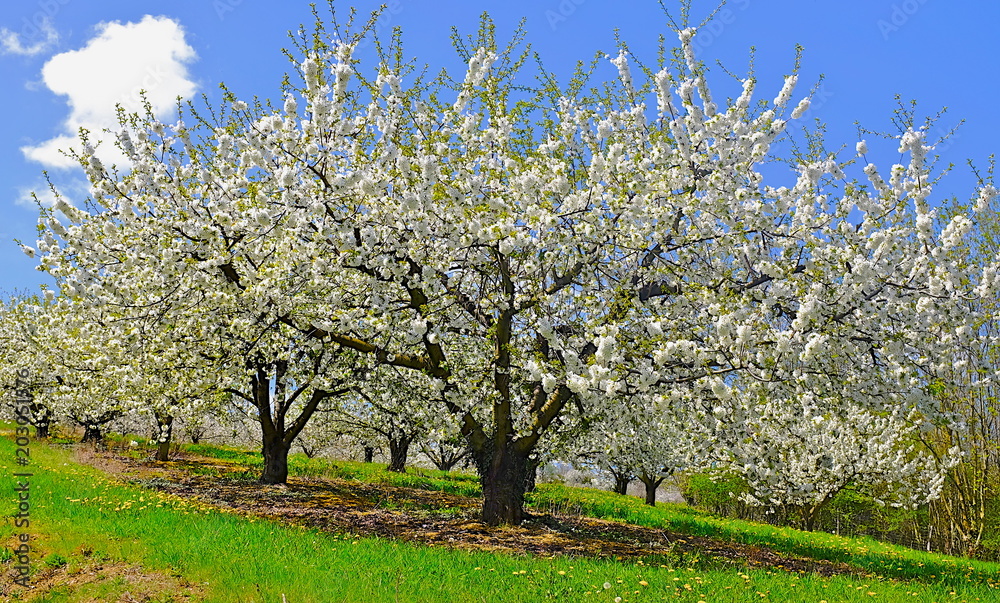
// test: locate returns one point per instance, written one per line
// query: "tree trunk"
(165, 432)
(651, 494)
(92, 433)
(399, 449)
(623, 477)
(38, 416)
(810, 514)
(163, 450)
(652, 482)
(196, 432)
(276, 435)
(444, 462)
(307, 450)
(369, 454)
(445, 455)
(93, 427)
(504, 478)
(275, 453)
(41, 418)
(533, 464)
(621, 484)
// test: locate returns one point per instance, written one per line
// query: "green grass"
(240, 559)
(881, 559)
(866, 554)
(461, 484)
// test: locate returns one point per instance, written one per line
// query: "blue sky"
(65, 63)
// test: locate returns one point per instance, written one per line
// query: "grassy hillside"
(97, 537)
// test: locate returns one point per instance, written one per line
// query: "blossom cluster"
(533, 264)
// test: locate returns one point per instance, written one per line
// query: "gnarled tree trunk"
(275, 451)
(399, 449)
(273, 403)
(504, 475)
(93, 426)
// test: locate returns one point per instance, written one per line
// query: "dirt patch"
(438, 518)
(99, 581)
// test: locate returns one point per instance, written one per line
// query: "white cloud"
(73, 190)
(44, 35)
(115, 66)
(26, 197)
